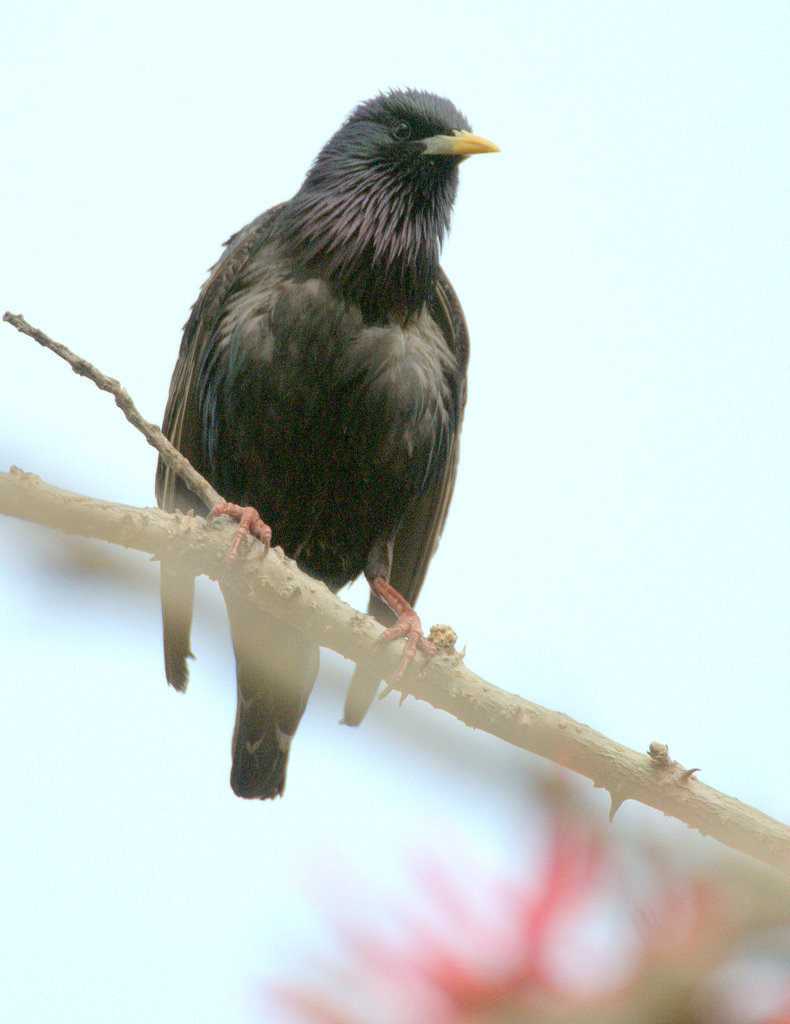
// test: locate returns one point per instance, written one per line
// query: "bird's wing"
(419, 534)
(182, 425)
(418, 537)
(181, 422)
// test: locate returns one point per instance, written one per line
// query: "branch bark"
(276, 585)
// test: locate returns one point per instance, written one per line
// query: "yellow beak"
(460, 143)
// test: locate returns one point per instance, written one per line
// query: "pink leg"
(408, 625)
(249, 522)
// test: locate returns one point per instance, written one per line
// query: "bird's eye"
(401, 131)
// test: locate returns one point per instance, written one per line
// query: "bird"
(320, 387)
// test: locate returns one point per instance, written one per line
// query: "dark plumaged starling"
(321, 381)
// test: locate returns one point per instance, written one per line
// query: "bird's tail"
(178, 597)
(275, 671)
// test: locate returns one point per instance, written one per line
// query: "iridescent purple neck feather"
(372, 213)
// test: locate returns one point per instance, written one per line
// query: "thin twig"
(153, 435)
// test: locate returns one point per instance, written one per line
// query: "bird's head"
(374, 207)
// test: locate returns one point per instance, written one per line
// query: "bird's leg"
(249, 522)
(408, 625)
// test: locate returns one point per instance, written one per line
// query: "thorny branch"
(275, 584)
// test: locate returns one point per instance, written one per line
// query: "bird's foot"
(249, 522)
(408, 626)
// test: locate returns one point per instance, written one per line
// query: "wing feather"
(181, 422)
(182, 425)
(419, 534)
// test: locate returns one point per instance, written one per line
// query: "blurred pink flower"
(600, 934)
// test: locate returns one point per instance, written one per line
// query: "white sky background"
(617, 545)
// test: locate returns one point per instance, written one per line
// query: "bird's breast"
(397, 377)
(299, 387)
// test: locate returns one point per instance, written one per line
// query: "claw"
(249, 522)
(408, 626)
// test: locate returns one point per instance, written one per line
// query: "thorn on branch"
(659, 754)
(617, 802)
